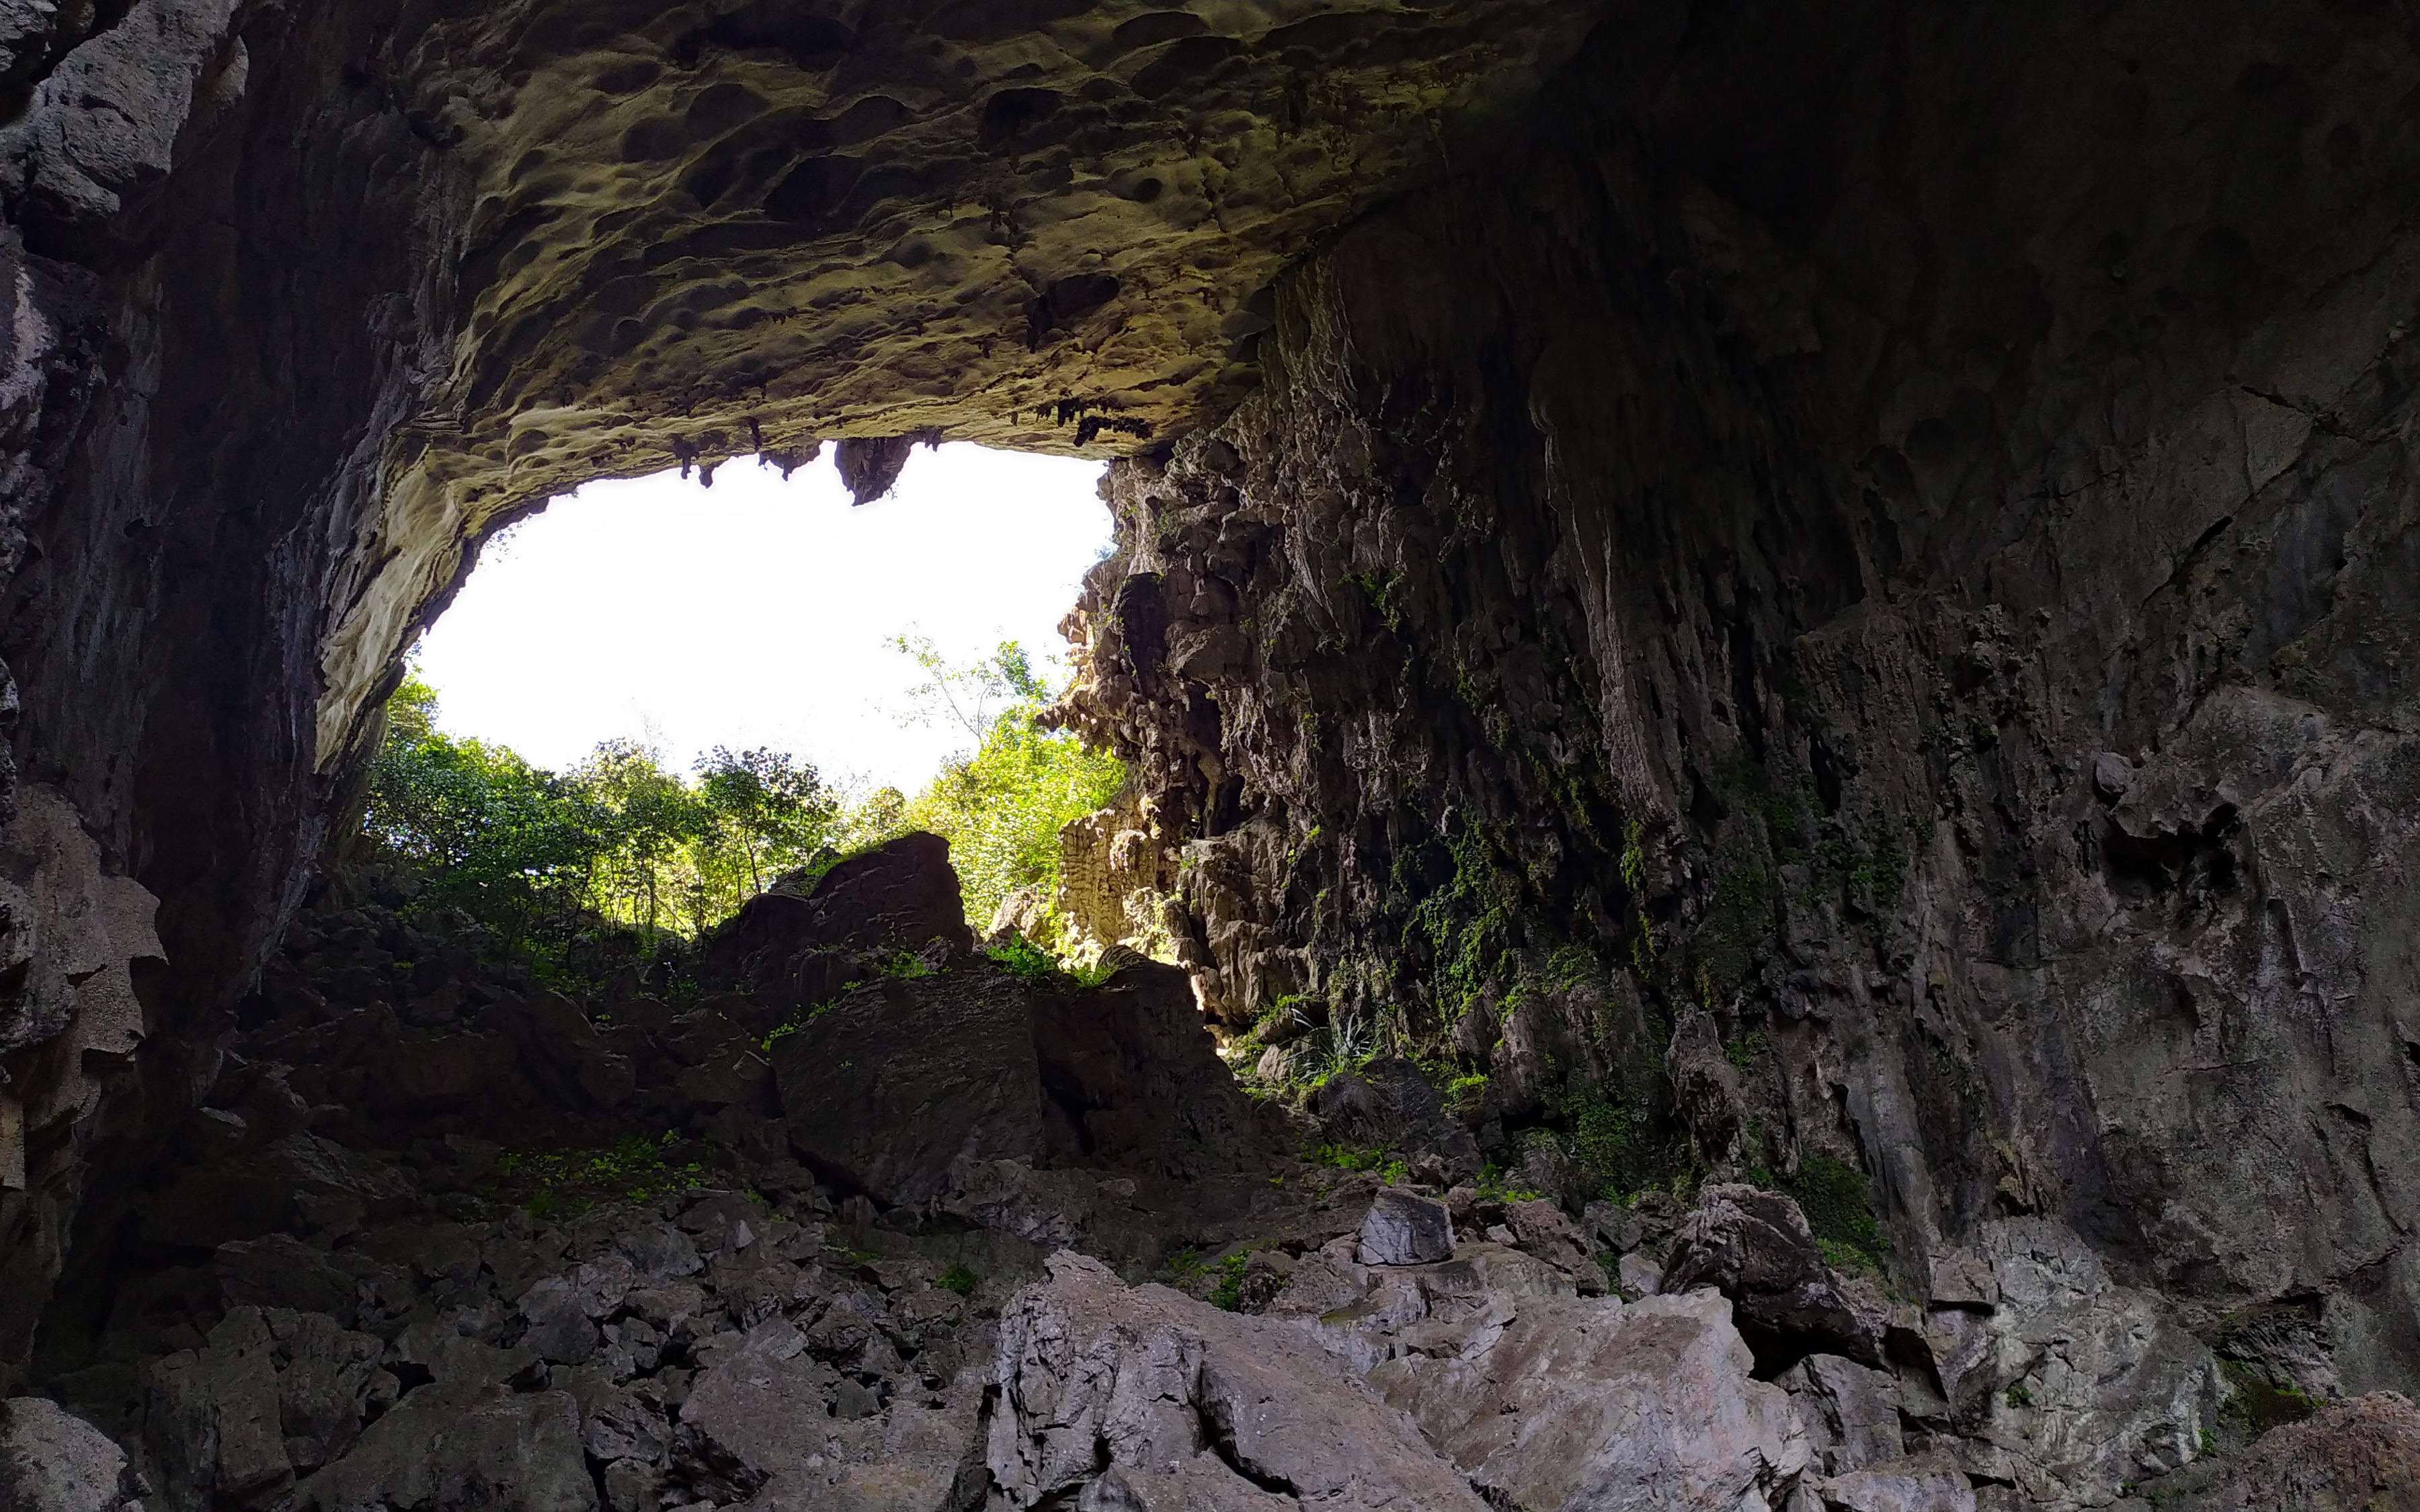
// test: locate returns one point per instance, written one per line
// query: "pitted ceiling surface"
(1046, 224)
(698, 231)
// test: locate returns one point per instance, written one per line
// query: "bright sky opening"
(755, 612)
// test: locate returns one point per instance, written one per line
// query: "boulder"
(1571, 1403)
(560, 1330)
(213, 1421)
(1145, 1398)
(51, 1460)
(301, 1183)
(1404, 1229)
(1133, 1079)
(1543, 1229)
(1754, 1247)
(498, 1451)
(2087, 1385)
(324, 1375)
(771, 1422)
(1387, 1104)
(1850, 1412)
(791, 946)
(900, 1081)
(561, 1052)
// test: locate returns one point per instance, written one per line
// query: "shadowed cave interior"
(1762, 648)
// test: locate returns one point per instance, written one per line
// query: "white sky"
(754, 612)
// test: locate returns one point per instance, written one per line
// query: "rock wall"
(1839, 571)
(301, 303)
(1853, 594)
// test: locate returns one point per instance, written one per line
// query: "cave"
(1785, 597)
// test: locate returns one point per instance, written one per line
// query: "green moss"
(1836, 1199)
(959, 1279)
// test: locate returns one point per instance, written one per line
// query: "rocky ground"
(884, 1220)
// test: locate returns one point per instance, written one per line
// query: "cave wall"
(305, 302)
(1856, 589)
(1843, 567)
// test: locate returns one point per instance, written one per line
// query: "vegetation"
(539, 855)
(622, 843)
(1002, 808)
(560, 1183)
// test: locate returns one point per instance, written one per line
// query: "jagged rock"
(301, 1181)
(1706, 1088)
(1922, 1483)
(1755, 1247)
(902, 1080)
(657, 1252)
(1850, 1412)
(324, 1381)
(1640, 1276)
(283, 1271)
(764, 1415)
(1385, 1104)
(213, 1421)
(51, 1460)
(2347, 1456)
(441, 1447)
(1130, 1066)
(1575, 1402)
(2087, 1384)
(1147, 1395)
(1404, 1230)
(561, 1051)
(559, 1327)
(1543, 1229)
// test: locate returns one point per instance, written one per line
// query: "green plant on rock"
(959, 1279)
(1227, 1293)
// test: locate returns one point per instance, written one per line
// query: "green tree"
(1002, 805)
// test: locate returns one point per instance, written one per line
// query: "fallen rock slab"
(51, 1460)
(1405, 1230)
(1142, 1397)
(1584, 1403)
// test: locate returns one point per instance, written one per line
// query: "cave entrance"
(663, 695)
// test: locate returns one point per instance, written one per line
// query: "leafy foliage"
(540, 856)
(1003, 807)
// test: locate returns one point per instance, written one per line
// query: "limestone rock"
(1147, 1395)
(1755, 1247)
(514, 1453)
(2088, 1384)
(900, 896)
(1596, 1403)
(214, 1423)
(1924, 1483)
(54, 1462)
(1385, 1104)
(1852, 1411)
(901, 1080)
(1404, 1229)
(2352, 1455)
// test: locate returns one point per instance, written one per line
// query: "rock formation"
(1802, 598)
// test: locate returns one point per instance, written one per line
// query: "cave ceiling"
(681, 233)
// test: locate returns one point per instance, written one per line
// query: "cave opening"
(1689, 582)
(856, 651)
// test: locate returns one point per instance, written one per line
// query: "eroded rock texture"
(1814, 593)
(1866, 578)
(302, 301)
